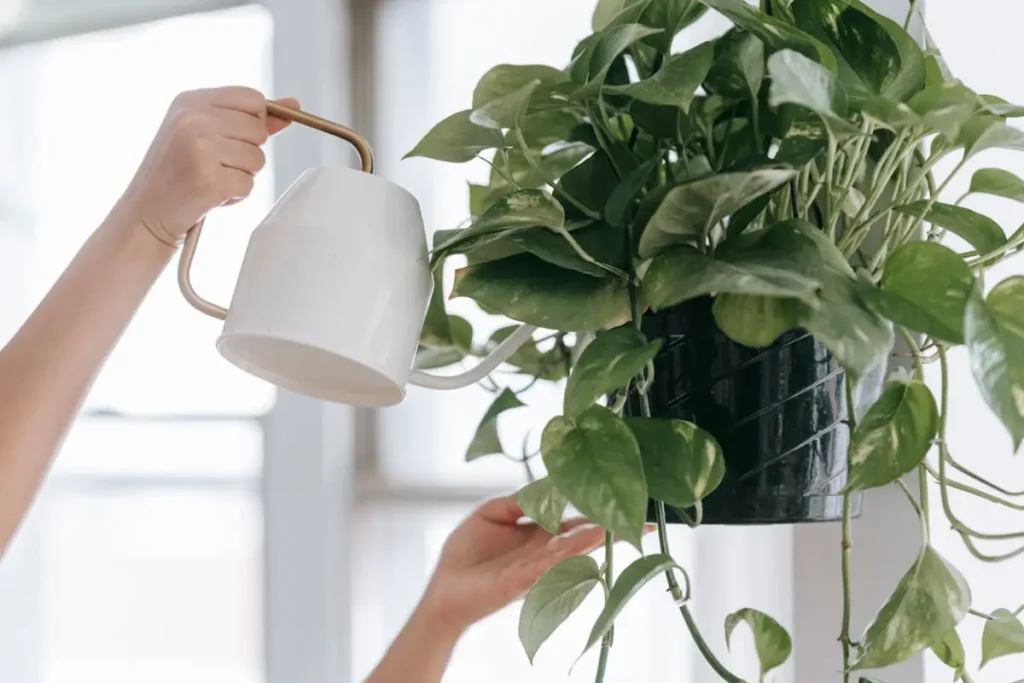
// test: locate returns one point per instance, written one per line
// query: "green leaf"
(629, 583)
(774, 33)
(997, 182)
(682, 462)
(505, 111)
(541, 502)
(594, 461)
(805, 83)
(607, 365)
(551, 601)
(676, 82)
(997, 106)
(925, 287)
(456, 139)
(978, 230)
(603, 242)
(806, 138)
(894, 436)
(486, 441)
(672, 16)
(771, 640)
(945, 108)
(855, 334)
(619, 210)
(543, 128)
(528, 359)
(994, 330)
(612, 12)
(532, 291)
(754, 320)
(950, 651)
(929, 601)
(738, 70)
(437, 332)
(1003, 635)
(985, 132)
(591, 67)
(505, 79)
(683, 273)
(515, 212)
(690, 210)
(431, 359)
(594, 180)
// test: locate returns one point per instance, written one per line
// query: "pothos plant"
(787, 169)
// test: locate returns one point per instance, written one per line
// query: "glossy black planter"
(778, 413)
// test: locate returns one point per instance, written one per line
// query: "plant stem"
(981, 480)
(847, 544)
(606, 642)
(910, 14)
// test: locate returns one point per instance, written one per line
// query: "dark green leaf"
(505, 79)
(801, 81)
(677, 81)
(690, 210)
(528, 359)
(978, 230)
(437, 333)
(594, 180)
(515, 212)
(590, 68)
(486, 441)
(537, 171)
(661, 122)
(774, 33)
(532, 291)
(672, 16)
(632, 579)
(456, 139)
(754, 320)
(771, 640)
(594, 461)
(893, 437)
(806, 138)
(607, 365)
(1003, 635)
(950, 651)
(543, 128)
(929, 601)
(682, 462)
(925, 287)
(997, 182)
(603, 242)
(554, 598)
(541, 502)
(613, 12)
(618, 212)
(738, 69)
(994, 330)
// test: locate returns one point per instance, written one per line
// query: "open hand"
(491, 559)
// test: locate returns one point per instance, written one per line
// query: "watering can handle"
(188, 250)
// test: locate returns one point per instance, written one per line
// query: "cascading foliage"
(784, 168)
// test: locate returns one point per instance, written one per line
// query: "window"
(142, 558)
(428, 56)
(972, 43)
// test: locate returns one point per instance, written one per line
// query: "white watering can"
(334, 288)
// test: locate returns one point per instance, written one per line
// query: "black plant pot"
(779, 414)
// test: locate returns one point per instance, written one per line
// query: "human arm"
(204, 156)
(487, 563)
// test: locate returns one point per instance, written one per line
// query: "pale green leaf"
(676, 82)
(456, 139)
(682, 462)
(607, 365)
(1003, 635)
(554, 598)
(978, 230)
(541, 502)
(754, 320)
(485, 441)
(505, 79)
(771, 640)
(950, 651)
(799, 80)
(997, 182)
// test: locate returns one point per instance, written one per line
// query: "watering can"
(334, 288)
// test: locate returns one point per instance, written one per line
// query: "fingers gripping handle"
(188, 250)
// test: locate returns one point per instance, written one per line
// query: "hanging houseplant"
(723, 244)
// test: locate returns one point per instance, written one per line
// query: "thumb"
(276, 125)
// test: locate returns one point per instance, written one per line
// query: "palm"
(491, 559)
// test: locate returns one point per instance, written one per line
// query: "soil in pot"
(778, 412)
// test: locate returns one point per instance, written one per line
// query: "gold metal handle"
(276, 109)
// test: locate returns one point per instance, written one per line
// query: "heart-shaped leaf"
(629, 583)
(676, 82)
(1003, 635)
(929, 601)
(945, 107)
(754, 320)
(507, 110)
(591, 67)
(985, 132)
(739, 67)
(682, 462)
(801, 81)
(594, 461)
(925, 287)
(607, 365)
(541, 502)
(771, 640)
(773, 32)
(690, 210)
(894, 436)
(505, 79)
(997, 182)
(551, 601)
(978, 230)
(529, 290)
(456, 139)
(994, 330)
(486, 441)
(950, 651)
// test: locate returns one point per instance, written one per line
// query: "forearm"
(48, 367)
(420, 653)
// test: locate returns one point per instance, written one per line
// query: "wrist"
(432, 615)
(124, 228)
